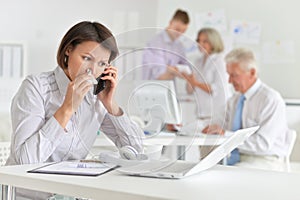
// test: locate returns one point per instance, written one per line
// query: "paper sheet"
(214, 19)
(82, 168)
(245, 32)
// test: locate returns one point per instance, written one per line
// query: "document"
(81, 168)
(184, 68)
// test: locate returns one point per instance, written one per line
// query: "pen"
(91, 161)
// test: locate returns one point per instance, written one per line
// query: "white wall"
(42, 24)
(279, 20)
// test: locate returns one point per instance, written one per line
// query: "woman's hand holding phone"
(106, 96)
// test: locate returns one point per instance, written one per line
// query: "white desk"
(182, 143)
(170, 139)
(219, 182)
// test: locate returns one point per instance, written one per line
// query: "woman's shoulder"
(216, 61)
(40, 81)
(217, 57)
(40, 75)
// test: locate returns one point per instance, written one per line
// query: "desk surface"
(170, 139)
(219, 182)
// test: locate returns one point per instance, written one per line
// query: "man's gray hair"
(245, 57)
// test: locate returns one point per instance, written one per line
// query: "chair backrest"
(292, 135)
(292, 141)
(4, 152)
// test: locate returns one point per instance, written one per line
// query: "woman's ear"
(69, 49)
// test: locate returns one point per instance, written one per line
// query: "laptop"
(180, 169)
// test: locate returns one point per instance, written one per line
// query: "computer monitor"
(154, 102)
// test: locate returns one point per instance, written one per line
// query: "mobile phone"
(100, 85)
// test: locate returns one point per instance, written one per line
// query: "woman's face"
(87, 55)
(204, 44)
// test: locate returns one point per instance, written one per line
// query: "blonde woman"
(209, 80)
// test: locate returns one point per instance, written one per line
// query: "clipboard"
(77, 168)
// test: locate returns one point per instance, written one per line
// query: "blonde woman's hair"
(214, 38)
(245, 57)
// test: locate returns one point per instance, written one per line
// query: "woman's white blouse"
(38, 137)
(212, 72)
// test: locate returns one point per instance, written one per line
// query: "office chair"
(292, 135)
(4, 152)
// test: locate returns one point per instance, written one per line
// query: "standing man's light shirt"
(160, 52)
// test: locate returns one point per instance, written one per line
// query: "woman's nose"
(91, 71)
(93, 68)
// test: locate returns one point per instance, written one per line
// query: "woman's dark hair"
(86, 31)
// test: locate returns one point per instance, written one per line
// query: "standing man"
(254, 104)
(164, 52)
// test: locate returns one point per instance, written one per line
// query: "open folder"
(81, 168)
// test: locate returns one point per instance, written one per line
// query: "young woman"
(56, 115)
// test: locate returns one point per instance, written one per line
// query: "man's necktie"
(236, 125)
(237, 121)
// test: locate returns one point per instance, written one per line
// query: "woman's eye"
(86, 58)
(102, 64)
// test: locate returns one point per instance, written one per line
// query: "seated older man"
(254, 103)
